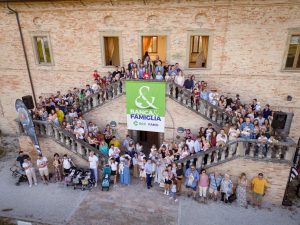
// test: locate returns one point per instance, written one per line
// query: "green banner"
(145, 105)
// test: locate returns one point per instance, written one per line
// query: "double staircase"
(277, 151)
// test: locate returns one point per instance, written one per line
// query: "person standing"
(124, 171)
(42, 164)
(148, 170)
(30, 172)
(94, 163)
(179, 178)
(242, 191)
(191, 180)
(259, 185)
(226, 188)
(57, 167)
(203, 185)
(215, 185)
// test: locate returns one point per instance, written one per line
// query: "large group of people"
(160, 166)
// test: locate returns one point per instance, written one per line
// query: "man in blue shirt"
(191, 180)
(148, 169)
(214, 185)
(247, 128)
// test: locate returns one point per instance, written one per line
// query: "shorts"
(213, 191)
(189, 187)
(44, 171)
(202, 191)
(257, 197)
(113, 173)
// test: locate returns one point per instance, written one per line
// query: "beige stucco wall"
(247, 48)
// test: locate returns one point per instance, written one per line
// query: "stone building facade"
(247, 50)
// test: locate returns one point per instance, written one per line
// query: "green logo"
(135, 123)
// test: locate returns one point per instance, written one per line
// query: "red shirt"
(96, 75)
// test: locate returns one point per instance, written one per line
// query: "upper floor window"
(198, 51)
(293, 55)
(42, 49)
(150, 43)
(112, 51)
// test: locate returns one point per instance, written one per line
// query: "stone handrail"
(106, 94)
(202, 107)
(66, 139)
(254, 149)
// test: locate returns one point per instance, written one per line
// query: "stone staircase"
(278, 152)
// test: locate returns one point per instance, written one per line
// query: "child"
(173, 190)
(168, 182)
(57, 167)
(114, 165)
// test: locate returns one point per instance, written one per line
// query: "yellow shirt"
(259, 185)
(60, 115)
(116, 143)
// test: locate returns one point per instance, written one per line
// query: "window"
(198, 51)
(42, 50)
(293, 55)
(112, 51)
(150, 44)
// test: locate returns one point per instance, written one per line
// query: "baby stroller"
(87, 182)
(106, 177)
(19, 173)
(69, 177)
(76, 180)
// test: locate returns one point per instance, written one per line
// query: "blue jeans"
(148, 180)
(94, 174)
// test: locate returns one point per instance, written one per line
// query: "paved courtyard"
(124, 205)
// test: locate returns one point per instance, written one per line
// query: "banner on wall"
(146, 105)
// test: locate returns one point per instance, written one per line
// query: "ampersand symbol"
(144, 99)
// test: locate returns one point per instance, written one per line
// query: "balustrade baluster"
(216, 156)
(202, 107)
(49, 129)
(67, 142)
(223, 153)
(252, 149)
(199, 162)
(56, 134)
(208, 159)
(62, 137)
(79, 148)
(260, 151)
(278, 151)
(73, 145)
(214, 114)
(219, 117)
(208, 110)
(95, 100)
(43, 129)
(270, 151)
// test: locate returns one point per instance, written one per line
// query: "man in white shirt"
(221, 138)
(79, 132)
(190, 144)
(94, 163)
(42, 164)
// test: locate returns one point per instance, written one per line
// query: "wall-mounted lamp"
(289, 98)
(180, 130)
(113, 123)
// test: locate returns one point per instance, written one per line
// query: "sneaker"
(95, 184)
(30, 185)
(35, 184)
(165, 192)
(176, 200)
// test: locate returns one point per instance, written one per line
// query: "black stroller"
(87, 182)
(18, 173)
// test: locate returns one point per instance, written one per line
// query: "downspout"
(24, 50)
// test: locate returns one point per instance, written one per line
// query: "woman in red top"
(213, 139)
(146, 75)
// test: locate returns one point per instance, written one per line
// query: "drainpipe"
(24, 50)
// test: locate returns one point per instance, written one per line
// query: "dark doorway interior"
(147, 139)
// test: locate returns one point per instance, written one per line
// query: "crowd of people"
(160, 166)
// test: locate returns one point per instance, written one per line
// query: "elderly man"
(191, 180)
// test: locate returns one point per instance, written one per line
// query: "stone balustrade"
(66, 139)
(106, 94)
(251, 149)
(213, 113)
